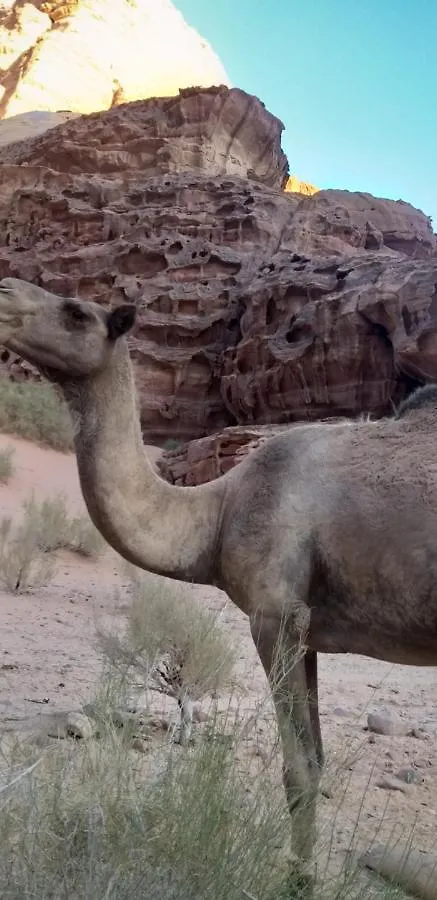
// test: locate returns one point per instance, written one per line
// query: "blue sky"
(354, 83)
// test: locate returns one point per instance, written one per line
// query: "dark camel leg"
(284, 662)
(313, 699)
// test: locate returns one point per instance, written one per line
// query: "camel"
(325, 536)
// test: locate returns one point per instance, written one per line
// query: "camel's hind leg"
(283, 658)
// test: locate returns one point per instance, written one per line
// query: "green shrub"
(25, 549)
(35, 412)
(172, 444)
(6, 464)
(22, 563)
(56, 529)
(166, 626)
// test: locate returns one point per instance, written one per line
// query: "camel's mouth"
(7, 309)
(12, 310)
(10, 324)
(10, 321)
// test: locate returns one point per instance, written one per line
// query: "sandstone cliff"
(256, 306)
(30, 124)
(300, 187)
(88, 55)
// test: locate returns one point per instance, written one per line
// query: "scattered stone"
(139, 744)
(139, 719)
(79, 726)
(139, 700)
(159, 723)
(339, 711)
(199, 714)
(327, 792)
(391, 783)
(387, 722)
(420, 734)
(423, 762)
(413, 870)
(125, 718)
(371, 739)
(409, 776)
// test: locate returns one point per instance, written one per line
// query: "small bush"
(45, 527)
(56, 529)
(172, 444)
(6, 464)
(35, 412)
(172, 640)
(22, 563)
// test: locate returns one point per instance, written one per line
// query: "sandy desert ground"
(48, 651)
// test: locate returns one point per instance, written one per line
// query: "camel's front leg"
(285, 665)
(313, 699)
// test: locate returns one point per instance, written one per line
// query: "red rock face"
(332, 337)
(255, 306)
(214, 130)
(207, 458)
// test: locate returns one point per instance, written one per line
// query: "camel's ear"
(120, 321)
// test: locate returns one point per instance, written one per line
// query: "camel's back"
(333, 466)
(376, 477)
(359, 501)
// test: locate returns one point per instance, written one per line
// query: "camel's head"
(60, 336)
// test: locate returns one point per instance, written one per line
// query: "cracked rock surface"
(256, 306)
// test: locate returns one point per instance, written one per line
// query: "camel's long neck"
(162, 528)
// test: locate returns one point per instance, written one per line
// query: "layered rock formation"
(256, 306)
(215, 131)
(207, 458)
(88, 55)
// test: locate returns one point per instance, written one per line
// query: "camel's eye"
(78, 315)
(75, 313)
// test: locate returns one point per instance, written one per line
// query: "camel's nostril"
(5, 356)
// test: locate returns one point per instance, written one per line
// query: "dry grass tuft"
(94, 820)
(88, 822)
